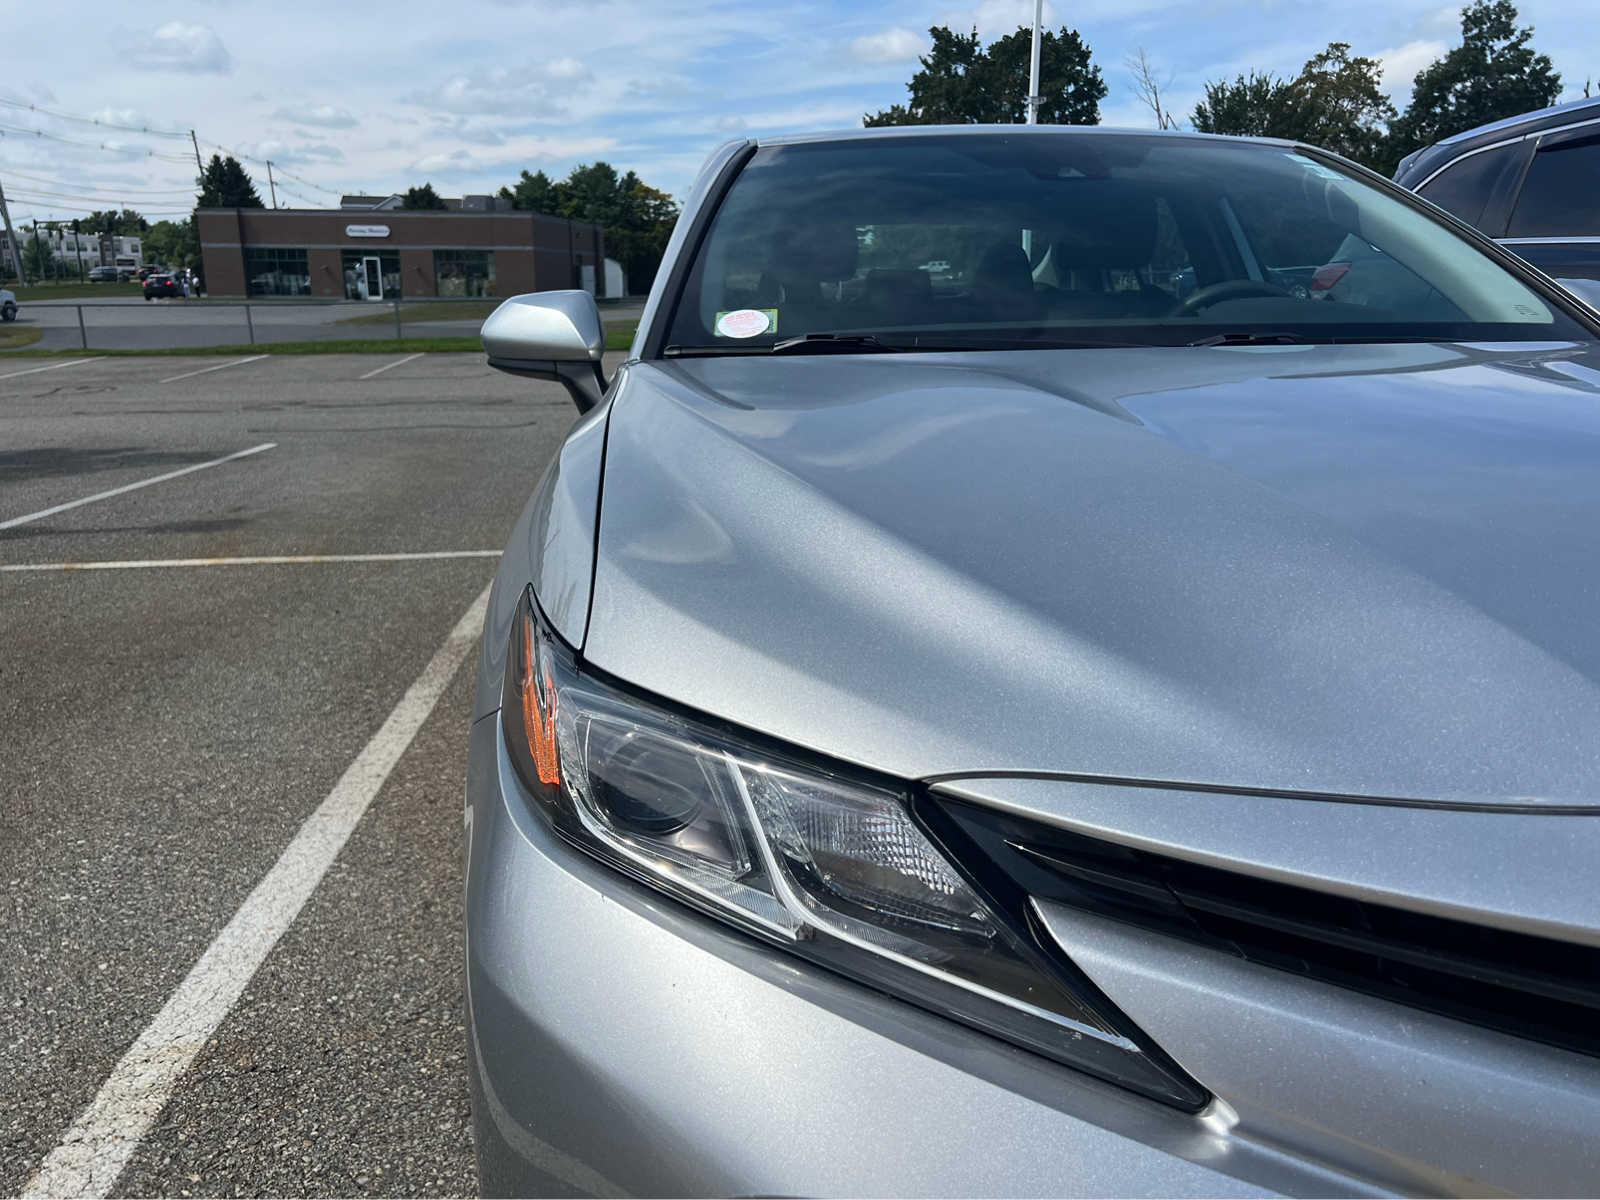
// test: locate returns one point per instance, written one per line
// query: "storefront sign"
(366, 231)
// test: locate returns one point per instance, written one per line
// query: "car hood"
(1351, 570)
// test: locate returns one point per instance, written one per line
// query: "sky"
(465, 94)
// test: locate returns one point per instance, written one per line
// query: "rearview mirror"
(550, 335)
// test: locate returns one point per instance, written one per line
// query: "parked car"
(103, 275)
(1529, 181)
(8, 305)
(158, 287)
(1047, 734)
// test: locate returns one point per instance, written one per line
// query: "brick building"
(382, 253)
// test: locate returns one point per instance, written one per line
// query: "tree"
(1148, 88)
(1336, 102)
(637, 218)
(1494, 73)
(423, 197)
(37, 261)
(126, 223)
(225, 184)
(172, 244)
(535, 193)
(1251, 106)
(962, 83)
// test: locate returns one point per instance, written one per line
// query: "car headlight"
(834, 868)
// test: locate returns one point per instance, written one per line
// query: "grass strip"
(13, 337)
(443, 345)
(618, 337)
(73, 291)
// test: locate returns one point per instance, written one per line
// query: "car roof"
(1537, 116)
(1420, 164)
(900, 131)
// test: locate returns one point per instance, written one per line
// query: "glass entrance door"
(372, 270)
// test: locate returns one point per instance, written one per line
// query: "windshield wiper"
(943, 341)
(871, 343)
(1253, 339)
(834, 343)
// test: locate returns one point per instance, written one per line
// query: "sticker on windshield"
(746, 322)
(1315, 168)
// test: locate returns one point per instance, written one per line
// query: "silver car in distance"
(1065, 662)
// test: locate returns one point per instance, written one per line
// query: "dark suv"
(1530, 182)
(162, 286)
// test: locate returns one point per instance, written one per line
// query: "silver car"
(1019, 729)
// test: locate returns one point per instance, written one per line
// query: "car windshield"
(1020, 238)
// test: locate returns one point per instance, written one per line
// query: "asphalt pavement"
(169, 728)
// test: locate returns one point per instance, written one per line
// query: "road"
(169, 728)
(129, 323)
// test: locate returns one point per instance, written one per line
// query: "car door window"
(1561, 195)
(1465, 186)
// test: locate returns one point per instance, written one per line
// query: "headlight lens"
(832, 868)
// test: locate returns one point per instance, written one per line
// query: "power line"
(102, 123)
(276, 168)
(99, 199)
(168, 194)
(142, 129)
(114, 149)
(33, 217)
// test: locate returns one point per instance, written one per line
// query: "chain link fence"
(191, 324)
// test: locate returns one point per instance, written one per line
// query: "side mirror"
(550, 335)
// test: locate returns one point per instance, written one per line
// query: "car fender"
(551, 548)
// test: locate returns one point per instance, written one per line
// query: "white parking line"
(76, 362)
(399, 362)
(259, 560)
(93, 1152)
(129, 487)
(238, 362)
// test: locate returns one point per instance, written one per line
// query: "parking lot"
(174, 717)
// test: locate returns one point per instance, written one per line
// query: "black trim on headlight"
(844, 869)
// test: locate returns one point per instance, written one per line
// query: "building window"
(464, 272)
(273, 271)
(359, 274)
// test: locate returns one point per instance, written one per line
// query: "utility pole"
(1033, 65)
(77, 241)
(198, 165)
(11, 236)
(272, 187)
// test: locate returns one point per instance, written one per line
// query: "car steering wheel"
(1228, 289)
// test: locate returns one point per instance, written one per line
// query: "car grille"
(1515, 983)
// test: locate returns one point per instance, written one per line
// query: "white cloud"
(799, 119)
(530, 92)
(120, 116)
(522, 152)
(1401, 64)
(996, 18)
(568, 70)
(1444, 21)
(322, 116)
(288, 154)
(180, 46)
(891, 45)
(454, 160)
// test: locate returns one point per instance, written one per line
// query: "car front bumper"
(623, 1044)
